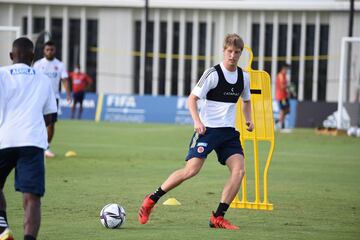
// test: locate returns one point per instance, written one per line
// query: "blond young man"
(214, 129)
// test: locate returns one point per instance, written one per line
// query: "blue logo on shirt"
(25, 71)
(51, 74)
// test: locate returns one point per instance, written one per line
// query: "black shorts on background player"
(284, 104)
(78, 97)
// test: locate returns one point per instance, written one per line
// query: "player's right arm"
(205, 84)
(192, 104)
(2, 96)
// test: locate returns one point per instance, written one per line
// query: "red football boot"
(221, 222)
(145, 210)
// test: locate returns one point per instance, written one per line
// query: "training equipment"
(7, 35)
(70, 154)
(145, 210)
(172, 202)
(39, 39)
(112, 216)
(352, 132)
(342, 76)
(221, 222)
(358, 132)
(263, 118)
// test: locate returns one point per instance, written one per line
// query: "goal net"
(349, 74)
(7, 35)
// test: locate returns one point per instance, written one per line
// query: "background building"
(185, 37)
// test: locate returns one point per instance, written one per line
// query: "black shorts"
(284, 104)
(78, 97)
(225, 141)
(29, 168)
(54, 116)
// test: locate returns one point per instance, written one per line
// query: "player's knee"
(239, 173)
(189, 173)
(31, 200)
(242, 173)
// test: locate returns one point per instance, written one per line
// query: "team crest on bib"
(200, 149)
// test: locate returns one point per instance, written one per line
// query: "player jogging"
(56, 71)
(25, 97)
(282, 95)
(220, 86)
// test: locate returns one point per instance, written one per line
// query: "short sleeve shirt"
(25, 96)
(55, 70)
(214, 113)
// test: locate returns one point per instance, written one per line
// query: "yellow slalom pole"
(99, 107)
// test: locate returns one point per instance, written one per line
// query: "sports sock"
(221, 210)
(29, 237)
(157, 194)
(3, 221)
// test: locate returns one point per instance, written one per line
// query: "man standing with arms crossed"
(220, 86)
(26, 100)
(56, 71)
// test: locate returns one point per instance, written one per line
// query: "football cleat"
(221, 222)
(145, 210)
(49, 153)
(6, 235)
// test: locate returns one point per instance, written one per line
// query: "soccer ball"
(112, 216)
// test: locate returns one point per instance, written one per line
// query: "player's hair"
(23, 44)
(233, 40)
(286, 65)
(49, 43)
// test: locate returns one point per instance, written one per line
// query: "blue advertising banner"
(182, 112)
(147, 108)
(89, 107)
(139, 109)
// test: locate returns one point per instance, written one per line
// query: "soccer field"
(313, 184)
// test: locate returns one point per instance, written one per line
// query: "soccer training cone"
(172, 202)
(70, 154)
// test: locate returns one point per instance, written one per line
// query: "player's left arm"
(50, 104)
(246, 106)
(89, 81)
(65, 82)
(247, 114)
(48, 119)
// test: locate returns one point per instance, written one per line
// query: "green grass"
(313, 184)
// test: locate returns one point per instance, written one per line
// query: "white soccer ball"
(112, 216)
(351, 131)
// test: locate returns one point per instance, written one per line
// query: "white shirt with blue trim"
(55, 70)
(25, 97)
